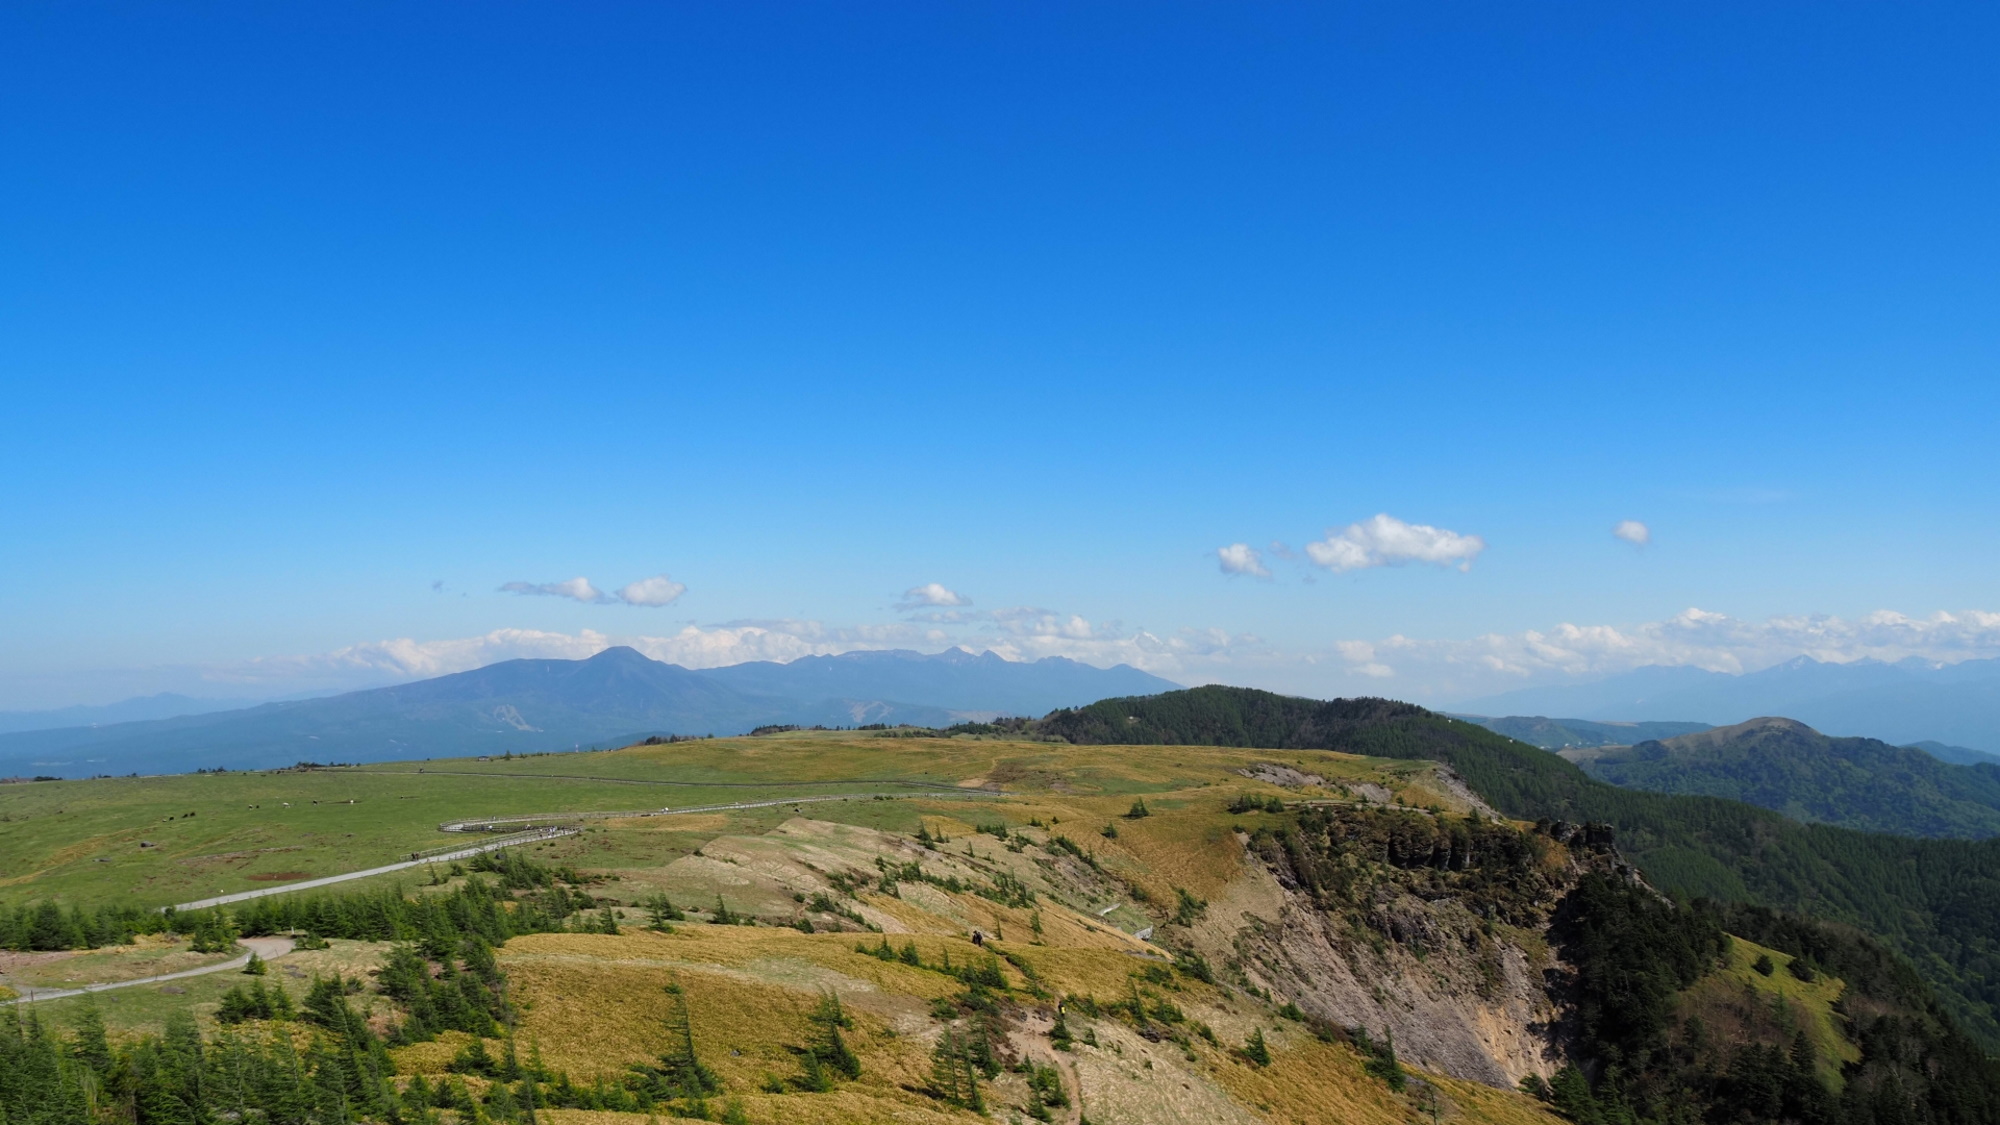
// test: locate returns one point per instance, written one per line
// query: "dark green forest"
(442, 975)
(1937, 902)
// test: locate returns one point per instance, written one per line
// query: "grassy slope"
(592, 1002)
(54, 833)
(1740, 1003)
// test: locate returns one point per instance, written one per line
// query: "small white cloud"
(1387, 541)
(1360, 658)
(576, 589)
(1633, 532)
(658, 590)
(655, 591)
(931, 594)
(1241, 558)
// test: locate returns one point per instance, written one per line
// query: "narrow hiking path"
(545, 828)
(268, 948)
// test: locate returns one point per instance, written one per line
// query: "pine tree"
(953, 1076)
(681, 1073)
(91, 1047)
(660, 911)
(827, 1045)
(814, 1077)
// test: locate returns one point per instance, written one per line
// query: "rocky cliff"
(1426, 927)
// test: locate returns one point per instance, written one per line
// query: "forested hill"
(1794, 769)
(1937, 901)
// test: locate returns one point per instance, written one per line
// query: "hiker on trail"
(978, 939)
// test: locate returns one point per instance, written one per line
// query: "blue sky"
(320, 326)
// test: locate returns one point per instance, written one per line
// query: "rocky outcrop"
(1431, 929)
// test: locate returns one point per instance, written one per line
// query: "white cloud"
(931, 594)
(1697, 638)
(658, 590)
(1242, 558)
(576, 589)
(1385, 540)
(1633, 532)
(1360, 658)
(1427, 670)
(651, 592)
(377, 662)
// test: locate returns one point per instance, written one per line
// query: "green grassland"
(1742, 1003)
(80, 841)
(590, 1003)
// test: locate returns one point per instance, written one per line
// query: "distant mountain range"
(1566, 734)
(164, 706)
(1788, 767)
(619, 695)
(1957, 705)
(1956, 755)
(1561, 734)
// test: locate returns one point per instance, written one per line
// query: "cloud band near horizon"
(1434, 671)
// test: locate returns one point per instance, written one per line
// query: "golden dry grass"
(596, 1003)
(1312, 1082)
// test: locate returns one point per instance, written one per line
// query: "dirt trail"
(268, 948)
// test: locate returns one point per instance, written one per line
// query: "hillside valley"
(1000, 929)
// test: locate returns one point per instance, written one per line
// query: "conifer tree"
(828, 1046)
(91, 1047)
(681, 1073)
(954, 1078)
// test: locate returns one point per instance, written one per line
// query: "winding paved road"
(471, 824)
(329, 880)
(269, 948)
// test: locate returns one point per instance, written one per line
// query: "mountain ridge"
(537, 705)
(1902, 702)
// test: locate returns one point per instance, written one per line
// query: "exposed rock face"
(1430, 929)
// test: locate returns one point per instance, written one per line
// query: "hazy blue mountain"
(163, 706)
(1788, 767)
(1956, 755)
(956, 680)
(1559, 734)
(527, 706)
(1902, 703)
